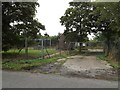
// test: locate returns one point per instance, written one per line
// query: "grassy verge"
(19, 65)
(114, 64)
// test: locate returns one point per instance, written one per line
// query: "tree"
(76, 21)
(18, 23)
(83, 18)
(107, 22)
(46, 35)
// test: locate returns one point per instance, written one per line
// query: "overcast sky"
(49, 14)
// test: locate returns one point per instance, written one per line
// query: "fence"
(41, 48)
(82, 47)
(46, 48)
(33, 49)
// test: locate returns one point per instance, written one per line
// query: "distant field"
(32, 53)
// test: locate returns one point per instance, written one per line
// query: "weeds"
(114, 64)
(19, 65)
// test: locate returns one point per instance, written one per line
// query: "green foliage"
(18, 22)
(83, 18)
(19, 65)
(107, 20)
(102, 57)
(75, 19)
(112, 63)
(116, 65)
(54, 40)
(108, 23)
(6, 61)
(14, 54)
(101, 18)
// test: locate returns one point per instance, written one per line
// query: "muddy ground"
(80, 66)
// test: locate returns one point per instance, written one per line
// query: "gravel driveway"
(89, 66)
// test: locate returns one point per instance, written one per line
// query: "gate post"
(26, 47)
(42, 55)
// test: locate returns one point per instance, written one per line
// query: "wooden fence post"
(26, 47)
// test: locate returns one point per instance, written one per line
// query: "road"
(37, 80)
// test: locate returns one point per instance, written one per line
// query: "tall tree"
(107, 22)
(76, 21)
(18, 22)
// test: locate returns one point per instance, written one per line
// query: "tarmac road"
(37, 80)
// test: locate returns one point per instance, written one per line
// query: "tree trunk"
(80, 47)
(107, 48)
(26, 47)
(112, 50)
(118, 50)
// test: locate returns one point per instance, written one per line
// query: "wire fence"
(73, 48)
(47, 48)
(42, 48)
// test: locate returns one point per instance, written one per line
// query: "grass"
(14, 61)
(114, 64)
(13, 54)
(103, 57)
(19, 65)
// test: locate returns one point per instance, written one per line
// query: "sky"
(49, 14)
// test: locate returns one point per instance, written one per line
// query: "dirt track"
(81, 63)
(89, 66)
